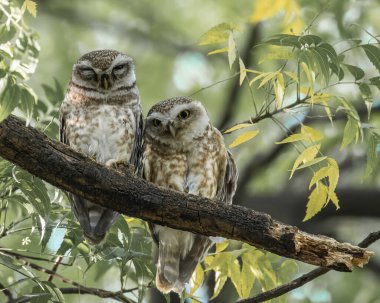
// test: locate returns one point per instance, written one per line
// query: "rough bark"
(69, 170)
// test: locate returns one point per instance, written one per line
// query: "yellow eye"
(184, 114)
(156, 122)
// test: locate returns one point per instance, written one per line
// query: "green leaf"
(310, 39)
(351, 132)
(331, 53)
(39, 295)
(6, 34)
(357, 72)
(373, 155)
(373, 54)
(217, 34)
(28, 99)
(244, 138)
(375, 81)
(284, 40)
(9, 100)
(322, 62)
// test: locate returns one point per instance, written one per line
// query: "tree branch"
(61, 166)
(296, 283)
(6, 292)
(118, 296)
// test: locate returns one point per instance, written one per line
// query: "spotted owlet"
(184, 152)
(101, 117)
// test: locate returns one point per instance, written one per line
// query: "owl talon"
(121, 166)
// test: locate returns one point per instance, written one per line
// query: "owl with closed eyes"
(184, 152)
(101, 117)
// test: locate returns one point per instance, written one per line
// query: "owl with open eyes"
(184, 152)
(101, 117)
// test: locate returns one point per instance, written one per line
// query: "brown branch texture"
(69, 170)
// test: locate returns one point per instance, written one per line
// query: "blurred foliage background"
(162, 37)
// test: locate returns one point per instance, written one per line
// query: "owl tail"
(167, 268)
(95, 220)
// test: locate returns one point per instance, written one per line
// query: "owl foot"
(121, 166)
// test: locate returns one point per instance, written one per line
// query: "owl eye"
(87, 72)
(156, 122)
(184, 114)
(119, 67)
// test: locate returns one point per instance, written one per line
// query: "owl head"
(104, 71)
(177, 121)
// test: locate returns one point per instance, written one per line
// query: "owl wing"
(227, 183)
(62, 129)
(136, 156)
(94, 219)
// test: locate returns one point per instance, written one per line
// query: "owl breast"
(103, 132)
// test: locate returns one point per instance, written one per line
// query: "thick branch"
(61, 166)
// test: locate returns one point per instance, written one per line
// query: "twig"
(296, 283)
(6, 292)
(233, 96)
(57, 261)
(118, 296)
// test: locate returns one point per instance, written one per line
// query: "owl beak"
(104, 82)
(171, 128)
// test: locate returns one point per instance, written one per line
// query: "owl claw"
(121, 166)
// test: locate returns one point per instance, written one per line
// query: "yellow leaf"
(307, 155)
(196, 279)
(309, 74)
(247, 279)
(267, 78)
(261, 75)
(252, 71)
(217, 34)
(292, 20)
(219, 247)
(313, 134)
(333, 174)
(319, 175)
(317, 200)
(278, 53)
(243, 72)
(334, 199)
(238, 126)
(266, 9)
(30, 6)
(231, 50)
(244, 138)
(293, 138)
(312, 162)
(279, 90)
(218, 51)
(220, 280)
(234, 274)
